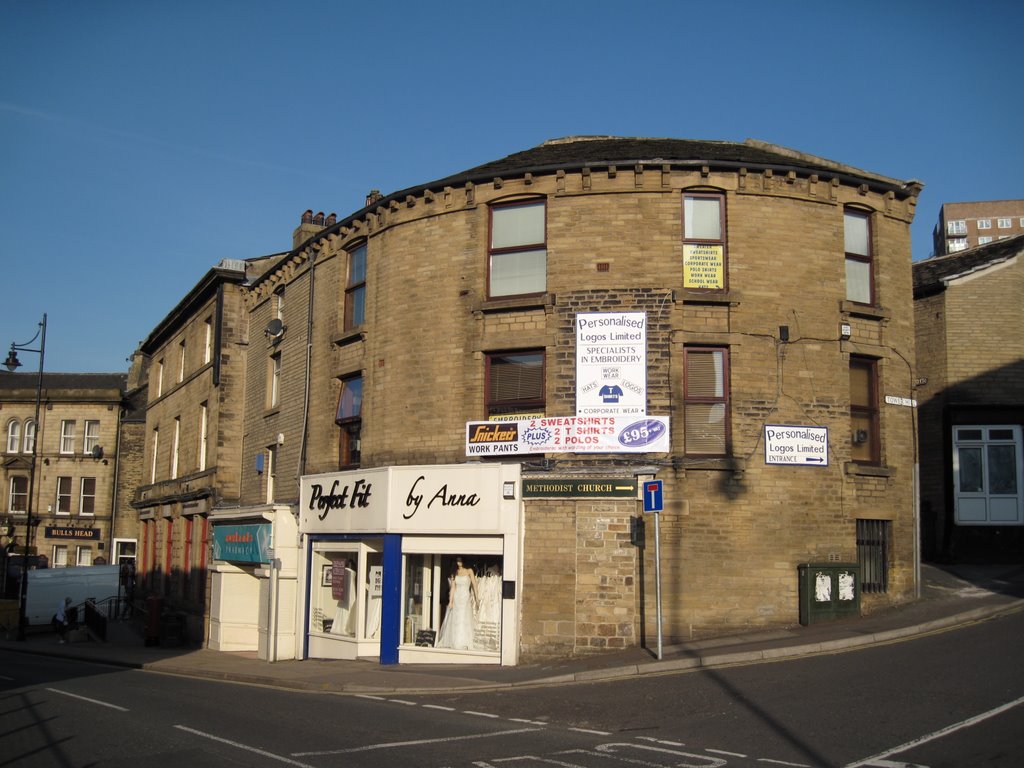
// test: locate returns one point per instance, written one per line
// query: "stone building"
(489, 367)
(74, 506)
(970, 351)
(191, 372)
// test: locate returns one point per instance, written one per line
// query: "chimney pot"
(319, 218)
(307, 217)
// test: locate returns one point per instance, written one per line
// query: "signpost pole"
(654, 501)
(657, 572)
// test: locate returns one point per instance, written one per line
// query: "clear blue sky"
(143, 142)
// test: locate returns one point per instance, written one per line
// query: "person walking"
(60, 620)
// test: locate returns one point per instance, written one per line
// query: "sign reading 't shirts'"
(611, 364)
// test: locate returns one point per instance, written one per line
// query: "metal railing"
(98, 614)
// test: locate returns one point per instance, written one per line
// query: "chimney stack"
(309, 225)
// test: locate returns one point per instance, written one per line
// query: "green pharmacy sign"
(242, 543)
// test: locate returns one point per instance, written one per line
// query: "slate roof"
(602, 151)
(930, 275)
(53, 381)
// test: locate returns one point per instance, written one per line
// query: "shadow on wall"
(994, 398)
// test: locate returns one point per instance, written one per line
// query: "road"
(950, 699)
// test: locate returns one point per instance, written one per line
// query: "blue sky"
(143, 142)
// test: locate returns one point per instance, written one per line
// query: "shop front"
(413, 564)
(252, 581)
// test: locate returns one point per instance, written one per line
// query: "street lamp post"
(12, 363)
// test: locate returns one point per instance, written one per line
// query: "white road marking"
(416, 743)
(528, 722)
(245, 747)
(91, 701)
(782, 762)
(723, 752)
(874, 759)
(406, 703)
(478, 714)
(595, 733)
(438, 706)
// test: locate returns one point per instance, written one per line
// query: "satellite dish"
(274, 328)
(97, 451)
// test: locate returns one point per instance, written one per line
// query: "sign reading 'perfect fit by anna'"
(426, 499)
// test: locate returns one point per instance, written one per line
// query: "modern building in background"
(485, 368)
(966, 225)
(76, 513)
(970, 357)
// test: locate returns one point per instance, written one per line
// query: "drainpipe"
(309, 360)
(117, 477)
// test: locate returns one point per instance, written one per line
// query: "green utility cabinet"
(828, 591)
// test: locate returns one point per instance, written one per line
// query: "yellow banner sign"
(703, 266)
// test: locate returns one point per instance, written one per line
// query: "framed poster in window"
(326, 575)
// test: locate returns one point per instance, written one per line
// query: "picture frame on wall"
(326, 572)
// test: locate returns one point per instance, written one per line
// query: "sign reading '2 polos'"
(568, 434)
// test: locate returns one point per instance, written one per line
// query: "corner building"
(503, 357)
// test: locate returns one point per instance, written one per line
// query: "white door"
(987, 475)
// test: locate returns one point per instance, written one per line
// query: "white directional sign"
(803, 446)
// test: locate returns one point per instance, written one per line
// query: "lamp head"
(12, 362)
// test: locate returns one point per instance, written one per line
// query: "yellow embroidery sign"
(703, 266)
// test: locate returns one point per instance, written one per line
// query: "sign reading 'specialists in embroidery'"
(611, 364)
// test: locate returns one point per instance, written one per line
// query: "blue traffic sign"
(654, 500)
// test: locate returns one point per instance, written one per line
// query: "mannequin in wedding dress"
(459, 621)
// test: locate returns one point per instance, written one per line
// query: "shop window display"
(453, 602)
(333, 609)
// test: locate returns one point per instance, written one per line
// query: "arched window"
(13, 435)
(29, 444)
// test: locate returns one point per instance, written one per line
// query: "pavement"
(951, 596)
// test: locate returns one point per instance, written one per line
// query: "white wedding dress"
(457, 627)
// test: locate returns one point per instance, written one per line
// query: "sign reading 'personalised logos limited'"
(799, 445)
(611, 364)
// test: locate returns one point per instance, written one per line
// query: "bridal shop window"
(452, 602)
(345, 594)
(333, 605)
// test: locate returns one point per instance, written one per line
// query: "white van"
(47, 588)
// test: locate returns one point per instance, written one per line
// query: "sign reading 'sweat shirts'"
(611, 364)
(568, 434)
